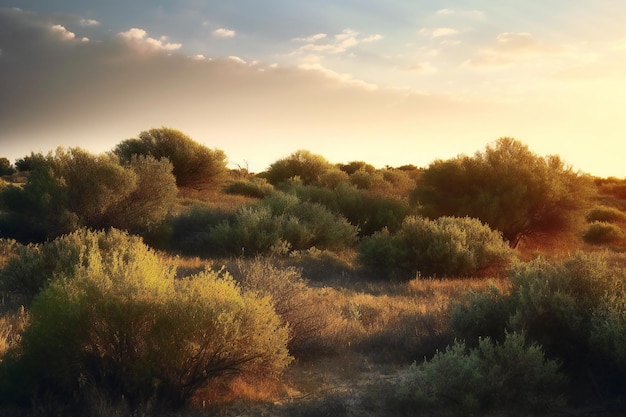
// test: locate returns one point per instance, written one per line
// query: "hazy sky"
(389, 82)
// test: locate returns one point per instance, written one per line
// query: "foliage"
(257, 188)
(302, 164)
(606, 214)
(194, 165)
(122, 324)
(511, 376)
(5, 167)
(479, 314)
(573, 308)
(281, 223)
(368, 213)
(447, 246)
(290, 295)
(73, 188)
(599, 232)
(508, 187)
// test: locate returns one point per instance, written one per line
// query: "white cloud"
(236, 59)
(339, 43)
(89, 22)
(139, 39)
(84, 39)
(346, 79)
(224, 33)
(312, 38)
(439, 32)
(63, 32)
(373, 38)
(474, 14)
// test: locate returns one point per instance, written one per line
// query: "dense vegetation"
(153, 278)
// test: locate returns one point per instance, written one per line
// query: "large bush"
(447, 246)
(302, 164)
(507, 187)
(122, 325)
(510, 376)
(195, 165)
(73, 188)
(574, 308)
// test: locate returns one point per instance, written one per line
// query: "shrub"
(480, 314)
(555, 304)
(503, 376)
(600, 232)
(606, 214)
(123, 325)
(281, 223)
(573, 308)
(301, 164)
(191, 231)
(257, 188)
(291, 297)
(194, 165)
(447, 246)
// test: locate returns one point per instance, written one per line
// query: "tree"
(194, 165)
(508, 187)
(5, 167)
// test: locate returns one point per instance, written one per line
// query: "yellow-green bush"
(121, 324)
(601, 232)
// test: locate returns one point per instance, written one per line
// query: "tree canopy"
(508, 187)
(195, 165)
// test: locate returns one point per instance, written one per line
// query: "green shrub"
(121, 324)
(508, 376)
(599, 233)
(281, 223)
(606, 214)
(191, 231)
(573, 308)
(481, 314)
(447, 246)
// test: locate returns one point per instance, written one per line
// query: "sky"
(390, 83)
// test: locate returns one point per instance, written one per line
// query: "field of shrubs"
(154, 281)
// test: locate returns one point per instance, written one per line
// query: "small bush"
(606, 214)
(480, 314)
(503, 376)
(291, 297)
(279, 224)
(600, 232)
(256, 188)
(122, 325)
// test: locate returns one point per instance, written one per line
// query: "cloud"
(510, 47)
(89, 22)
(63, 32)
(346, 79)
(337, 44)
(139, 39)
(224, 33)
(312, 38)
(439, 32)
(475, 14)
(422, 68)
(236, 59)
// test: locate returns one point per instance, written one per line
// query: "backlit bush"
(121, 324)
(600, 232)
